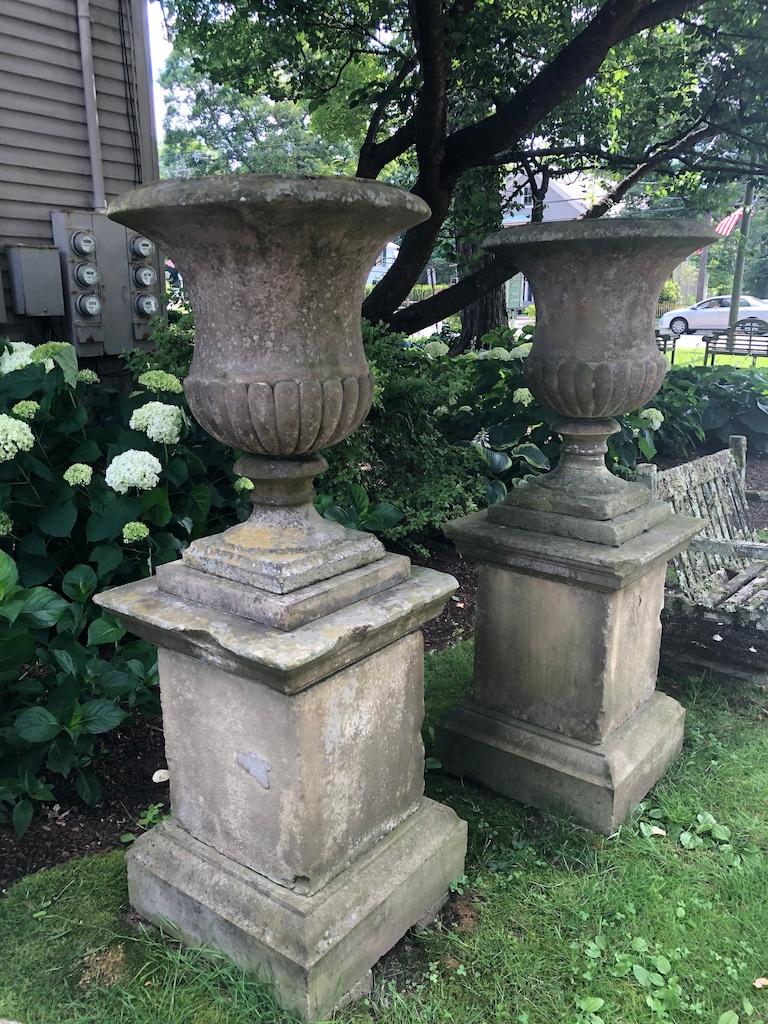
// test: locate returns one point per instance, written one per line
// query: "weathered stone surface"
(578, 662)
(317, 948)
(296, 786)
(288, 662)
(596, 785)
(611, 532)
(283, 611)
(566, 559)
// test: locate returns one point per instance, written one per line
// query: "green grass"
(695, 357)
(553, 924)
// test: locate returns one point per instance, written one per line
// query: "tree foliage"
(630, 90)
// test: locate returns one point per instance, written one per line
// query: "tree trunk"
(477, 212)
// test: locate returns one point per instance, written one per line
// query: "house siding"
(44, 155)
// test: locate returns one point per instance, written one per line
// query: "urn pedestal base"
(301, 843)
(317, 950)
(564, 713)
(596, 785)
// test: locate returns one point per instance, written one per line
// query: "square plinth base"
(317, 950)
(596, 785)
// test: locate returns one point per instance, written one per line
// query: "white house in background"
(384, 261)
(567, 198)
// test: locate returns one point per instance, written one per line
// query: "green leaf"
(17, 648)
(88, 787)
(61, 756)
(79, 583)
(729, 1017)
(496, 490)
(706, 822)
(58, 522)
(66, 358)
(200, 496)
(36, 725)
(9, 575)
(107, 557)
(498, 462)
(108, 520)
(662, 965)
(155, 506)
(382, 516)
(87, 452)
(721, 832)
(359, 500)
(591, 1004)
(97, 716)
(104, 631)
(642, 975)
(532, 454)
(43, 606)
(22, 817)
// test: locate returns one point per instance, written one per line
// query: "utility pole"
(701, 283)
(741, 252)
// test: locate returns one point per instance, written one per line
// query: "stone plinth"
(301, 842)
(564, 713)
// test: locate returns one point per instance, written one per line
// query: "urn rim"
(619, 229)
(271, 191)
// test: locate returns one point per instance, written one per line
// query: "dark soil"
(69, 828)
(126, 765)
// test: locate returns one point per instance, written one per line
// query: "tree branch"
(616, 21)
(450, 300)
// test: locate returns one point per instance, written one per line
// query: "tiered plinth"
(564, 714)
(301, 843)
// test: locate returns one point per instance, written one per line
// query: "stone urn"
(275, 268)
(596, 284)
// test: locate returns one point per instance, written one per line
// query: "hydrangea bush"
(96, 488)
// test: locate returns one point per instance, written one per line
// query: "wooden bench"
(748, 338)
(716, 609)
(666, 342)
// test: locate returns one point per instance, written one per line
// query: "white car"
(712, 314)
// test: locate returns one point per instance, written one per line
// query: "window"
(709, 304)
(527, 195)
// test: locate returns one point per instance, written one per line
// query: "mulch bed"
(70, 829)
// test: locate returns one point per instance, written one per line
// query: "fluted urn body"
(596, 284)
(275, 268)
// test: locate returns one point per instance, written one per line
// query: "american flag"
(728, 224)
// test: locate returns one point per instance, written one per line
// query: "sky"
(159, 50)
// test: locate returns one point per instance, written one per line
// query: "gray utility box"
(35, 278)
(112, 282)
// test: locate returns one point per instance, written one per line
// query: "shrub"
(96, 488)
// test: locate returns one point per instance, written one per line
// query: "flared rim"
(615, 229)
(268, 189)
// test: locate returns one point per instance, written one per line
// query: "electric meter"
(145, 276)
(142, 246)
(83, 243)
(147, 305)
(88, 305)
(86, 275)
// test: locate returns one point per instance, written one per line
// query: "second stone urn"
(291, 657)
(564, 713)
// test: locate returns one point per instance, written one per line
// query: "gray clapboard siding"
(44, 155)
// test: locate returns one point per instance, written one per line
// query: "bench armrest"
(755, 550)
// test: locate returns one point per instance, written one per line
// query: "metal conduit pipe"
(91, 108)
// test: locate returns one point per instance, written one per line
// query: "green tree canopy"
(630, 90)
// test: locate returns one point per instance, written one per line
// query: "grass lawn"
(695, 357)
(665, 922)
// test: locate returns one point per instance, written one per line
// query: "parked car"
(712, 314)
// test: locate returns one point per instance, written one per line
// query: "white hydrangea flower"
(523, 396)
(26, 409)
(88, 377)
(134, 532)
(6, 524)
(15, 437)
(78, 474)
(19, 356)
(160, 422)
(434, 349)
(495, 353)
(653, 418)
(159, 380)
(243, 484)
(133, 469)
(521, 351)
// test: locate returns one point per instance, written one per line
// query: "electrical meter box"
(35, 278)
(112, 280)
